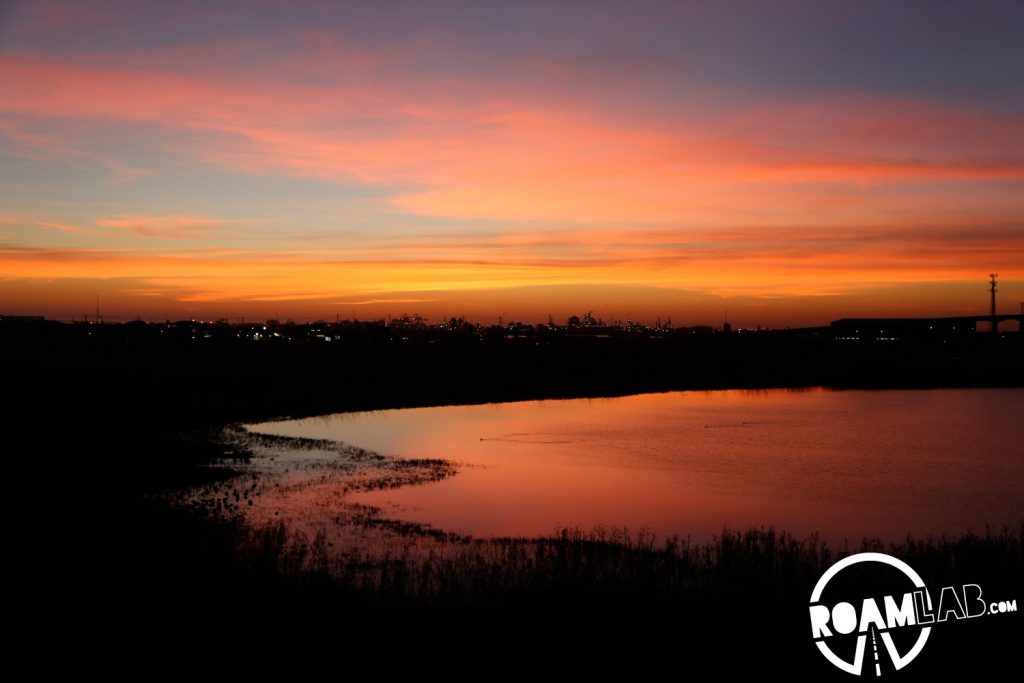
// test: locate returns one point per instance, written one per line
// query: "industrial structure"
(893, 329)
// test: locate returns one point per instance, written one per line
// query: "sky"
(776, 163)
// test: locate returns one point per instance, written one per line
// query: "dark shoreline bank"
(176, 384)
(108, 583)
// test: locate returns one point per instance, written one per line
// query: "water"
(846, 464)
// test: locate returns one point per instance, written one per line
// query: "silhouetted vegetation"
(106, 581)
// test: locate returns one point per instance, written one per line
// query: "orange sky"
(458, 164)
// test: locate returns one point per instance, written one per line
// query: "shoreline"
(172, 386)
(586, 397)
(342, 432)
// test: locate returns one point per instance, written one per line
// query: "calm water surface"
(843, 463)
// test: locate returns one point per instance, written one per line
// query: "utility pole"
(992, 289)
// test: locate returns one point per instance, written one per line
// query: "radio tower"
(992, 289)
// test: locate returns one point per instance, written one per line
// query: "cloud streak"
(173, 227)
(750, 262)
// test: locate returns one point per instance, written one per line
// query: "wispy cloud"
(371, 302)
(60, 143)
(173, 227)
(513, 155)
(798, 261)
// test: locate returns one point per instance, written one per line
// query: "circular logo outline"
(898, 661)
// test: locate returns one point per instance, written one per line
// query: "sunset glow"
(791, 163)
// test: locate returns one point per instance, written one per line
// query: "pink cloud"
(473, 152)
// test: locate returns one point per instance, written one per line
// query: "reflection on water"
(846, 464)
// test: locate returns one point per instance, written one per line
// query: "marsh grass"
(362, 551)
(421, 567)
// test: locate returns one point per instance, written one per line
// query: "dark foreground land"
(108, 582)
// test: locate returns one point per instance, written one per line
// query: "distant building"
(894, 329)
